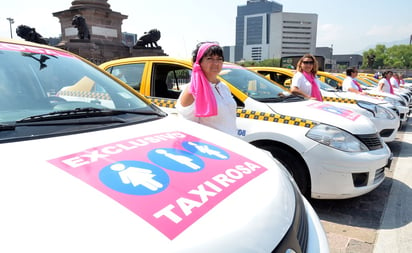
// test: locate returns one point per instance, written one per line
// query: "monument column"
(103, 23)
(105, 29)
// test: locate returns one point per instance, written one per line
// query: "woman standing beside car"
(305, 82)
(207, 100)
(384, 84)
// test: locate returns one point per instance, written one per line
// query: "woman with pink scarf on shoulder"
(384, 85)
(304, 82)
(207, 100)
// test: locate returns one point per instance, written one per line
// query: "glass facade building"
(264, 31)
(251, 14)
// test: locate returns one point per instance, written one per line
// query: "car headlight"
(336, 138)
(377, 110)
(383, 113)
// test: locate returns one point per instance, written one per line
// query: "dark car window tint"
(130, 74)
(168, 80)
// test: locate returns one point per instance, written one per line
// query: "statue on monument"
(148, 40)
(30, 34)
(79, 22)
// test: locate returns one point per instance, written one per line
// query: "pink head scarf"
(205, 101)
(315, 88)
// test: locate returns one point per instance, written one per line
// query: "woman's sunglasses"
(307, 62)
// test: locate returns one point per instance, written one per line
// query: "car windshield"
(326, 87)
(39, 84)
(364, 83)
(253, 84)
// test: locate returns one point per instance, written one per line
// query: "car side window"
(331, 82)
(130, 74)
(168, 80)
(278, 78)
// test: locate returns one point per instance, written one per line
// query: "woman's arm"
(380, 86)
(186, 98)
(296, 91)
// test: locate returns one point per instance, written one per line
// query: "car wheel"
(295, 167)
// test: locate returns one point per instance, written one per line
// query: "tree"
(398, 56)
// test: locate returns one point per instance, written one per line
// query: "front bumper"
(341, 175)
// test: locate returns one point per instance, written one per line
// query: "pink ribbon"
(205, 101)
(390, 86)
(357, 84)
(315, 88)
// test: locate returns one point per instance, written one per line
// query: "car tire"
(294, 165)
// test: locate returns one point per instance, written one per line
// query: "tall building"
(263, 31)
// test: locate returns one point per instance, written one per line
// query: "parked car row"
(402, 104)
(382, 113)
(331, 151)
(91, 165)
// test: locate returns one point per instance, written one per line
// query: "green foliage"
(398, 56)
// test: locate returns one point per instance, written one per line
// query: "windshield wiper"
(268, 100)
(84, 113)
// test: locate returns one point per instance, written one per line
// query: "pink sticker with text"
(348, 114)
(170, 179)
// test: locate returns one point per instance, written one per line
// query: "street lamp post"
(331, 57)
(11, 21)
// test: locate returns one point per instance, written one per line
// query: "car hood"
(340, 117)
(63, 194)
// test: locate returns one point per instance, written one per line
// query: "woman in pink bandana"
(207, 100)
(304, 82)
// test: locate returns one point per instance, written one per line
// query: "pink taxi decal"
(348, 114)
(34, 50)
(169, 179)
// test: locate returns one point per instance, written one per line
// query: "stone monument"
(104, 33)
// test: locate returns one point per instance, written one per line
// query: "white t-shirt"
(225, 120)
(394, 82)
(300, 81)
(349, 83)
(385, 87)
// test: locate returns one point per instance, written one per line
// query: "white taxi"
(381, 113)
(332, 152)
(107, 171)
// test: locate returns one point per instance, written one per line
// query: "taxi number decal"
(348, 114)
(174, 177)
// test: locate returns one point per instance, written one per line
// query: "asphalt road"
(352, 225)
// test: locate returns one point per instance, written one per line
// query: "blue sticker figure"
(176, 160)
(206, 150)
(134, 177)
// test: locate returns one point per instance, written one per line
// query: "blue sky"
(350, 26)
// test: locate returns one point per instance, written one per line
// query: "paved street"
(380, 221)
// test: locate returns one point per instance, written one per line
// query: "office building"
(263, 31)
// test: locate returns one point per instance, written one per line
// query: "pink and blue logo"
(170, 180)
(348, 114)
